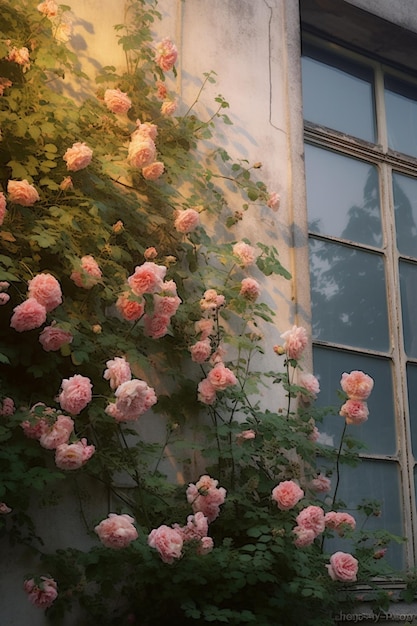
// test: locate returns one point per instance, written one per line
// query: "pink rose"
(161, 90)
(4, 298)
(21, 192)
(141, 152)
(339, 521)
(46, 290)
(3, 210)
(312, 518)
(76, 394)
(130, 308)
(205, 327)
(196, 528)
(321, 484)
(273, 201)
(117, 372)
(58, 433)
(169, 107)
(148, 278)
(165, 304)
(303, 536)
(4, 509)
(8, 408)
(211, 300)
(311, 384)
(206, 496)
(53, 338)
(357, 385)
(167, 541)
(221, 377)
(354, 411)
(147, 130)
(28, 315)
(117, 101)
(117, 531)
(87, 274)
(66, 184)
(166, 54)
(343, 567)
(205, 546)
(133, 398)
(19, 56)
(295, 340)
(150, 253)
(206, 392)
(78, 156)
(245, 253)
(287, 494)
(48, 8)
(156, 326)
(153, 171)
(250, 289)
(201, 351)
(186, 221)
(4, 84)
(41, 591)
(73, 455)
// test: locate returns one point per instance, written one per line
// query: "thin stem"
(339, 452)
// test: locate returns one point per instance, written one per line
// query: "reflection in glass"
(338, 94)
(348, 296)
(342, 196)
(405, 205)
(329, 365)
(372, 480)
(412, 403)
(408, 282)
(401, 113)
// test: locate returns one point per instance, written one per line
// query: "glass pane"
(348, 296)
(412, 403)
(329, 365)
(342, 196)
(401, 112)
(405, 205)
(338, 94)
(408, 282)
(372, 480)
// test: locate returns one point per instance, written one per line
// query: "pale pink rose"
(221, 377)
(148, 278)
(117, 101)
(8, 408)
(133, 398)
(206, 392)
(286, 494)
(196, 528)
(117, 531)
(167, 541)
(153, 171)
(295, 340)
(312, 518)
(76, 393)
(201, 351)
(46, 290)
(303, 536)
(273, 201)
(3, 210)
(245, 253)
(48, 8)
(166, 305)
(63, 31)
(250, 289)
(354, 411)
(309, 382)
(150, 253)
(78, 156)
(141, 152)
(4, 285)
(41, 592)
(321, 484)
(118, 371)
(357, 385)
(130, 308)
(156, 326)
(19, 56)
(206, 496)
(339, 521)
(245, 435)
(205, 546)
(28, 315)
(21, 192)
(169, 107)
(186, 221)
(147, 130)
(53, 338)
(87, 273)
(343, 567)
(162, 91)
(379, 554)
(211, 300)
(4, 509)
(4, 84)
(112, 410)
(58, 433)
(4, 298)
(36, 426)
(205, 327)
(118, 227)
(66, 183)
(72, 456)
(166, 54)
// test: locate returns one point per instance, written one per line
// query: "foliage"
(255, 573)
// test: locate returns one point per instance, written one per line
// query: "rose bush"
(120, 309)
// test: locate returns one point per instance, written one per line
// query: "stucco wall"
(401, 12)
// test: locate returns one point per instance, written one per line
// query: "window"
(361, 178)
